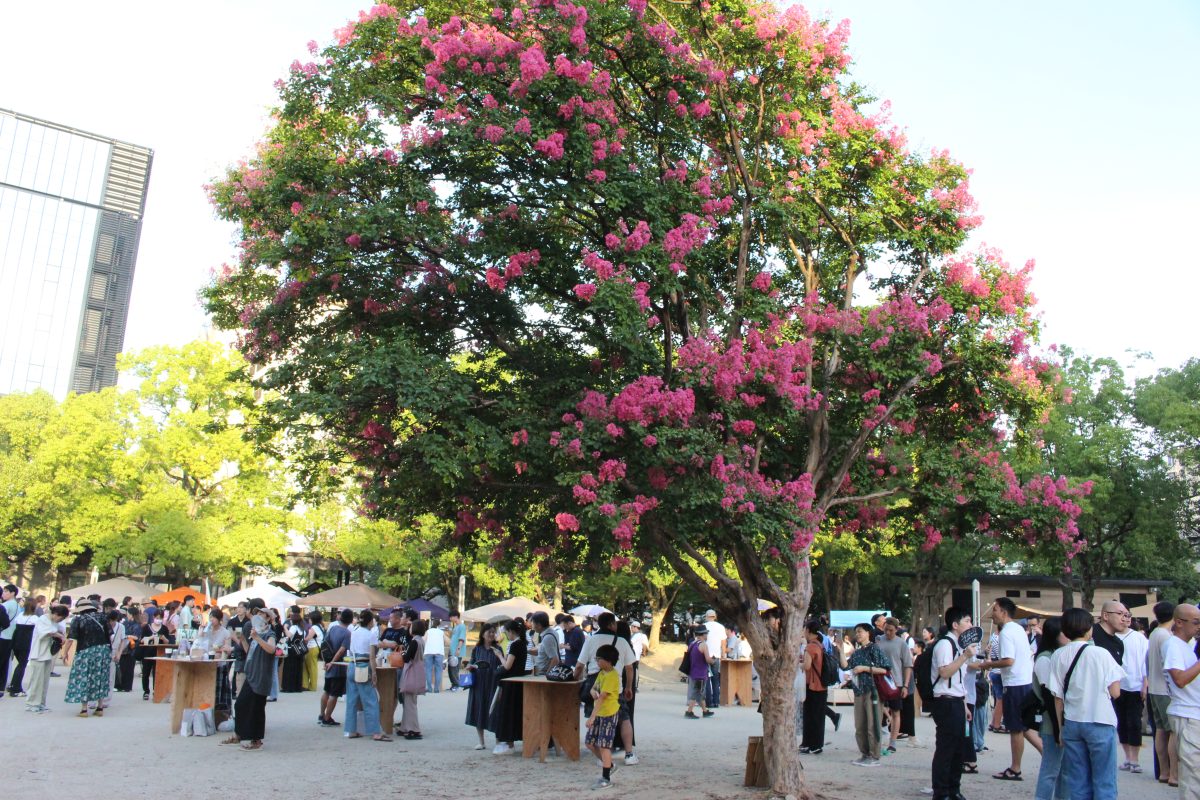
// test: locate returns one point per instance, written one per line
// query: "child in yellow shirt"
(602, 724)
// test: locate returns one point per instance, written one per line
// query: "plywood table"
(195, 685)
(736, 681)
(550, 711)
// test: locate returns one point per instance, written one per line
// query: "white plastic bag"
(203, 722)
(225, 726)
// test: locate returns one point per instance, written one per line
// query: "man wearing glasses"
(1180, 668)
(1114, 621)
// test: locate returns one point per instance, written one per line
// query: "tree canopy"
(603, 278)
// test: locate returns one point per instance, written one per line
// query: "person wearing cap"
(716, 647)
(250, 708)
(638, 641)
(697, 673)
(89, 679)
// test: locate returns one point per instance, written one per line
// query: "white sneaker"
(501, 749)
(601, 783)
(630, 759)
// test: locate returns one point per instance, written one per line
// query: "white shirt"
(39, 647)
(588, 654)
(363, 639)
(1155, 682)
(1014, 645)
(716, 635)
(1185, 701)
(944, 655)
(640, 643)
(1087, 698)
(435, 642)
(1134, 662)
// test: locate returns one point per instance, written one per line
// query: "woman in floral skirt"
(88, 682)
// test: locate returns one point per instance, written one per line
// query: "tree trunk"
(776, 678)
(557, 603)
(660, 602)
(1068, 590)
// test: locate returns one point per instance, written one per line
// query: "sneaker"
(601, 783)
(871, 762)
(889, 750)
(1124, 767)
(709, 713)
(805, 751)
(630, 759)
(816, 751)
(927, 790)
(861, 762)
(500, 749)
(837, 722)
(690, 715)
(1136, 769)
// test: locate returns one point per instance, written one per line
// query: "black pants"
(147, 673)
(5, 655)
(950, 717)
(250, 714)
(21, 654)
(124, 680)
(815, 705)
(908, 713)
(1129, 708)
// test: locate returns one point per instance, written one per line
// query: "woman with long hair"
(412, 680)
(313, 641)
(485, 663)
(1052, 778)
(507, 712)
(295, 651)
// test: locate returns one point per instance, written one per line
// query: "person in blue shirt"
(458, 648)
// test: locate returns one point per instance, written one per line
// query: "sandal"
(252, 746)
(1009, 774)
(970, 769)
(383, 737)
(99, 712)
(232, 740)
(83, 713)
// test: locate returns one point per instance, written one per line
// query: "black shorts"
(1129, 709)
(335, 685)
(895, 705)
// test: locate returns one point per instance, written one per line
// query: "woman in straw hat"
(88, 682)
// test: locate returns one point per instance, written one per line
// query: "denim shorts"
(1014, 698)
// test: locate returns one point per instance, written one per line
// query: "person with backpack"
(947, 700)
(695, 667)
(333, 651)
(292, 679)
(816, 664)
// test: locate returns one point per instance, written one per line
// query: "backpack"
(327, 652)
(4, 618)
(296, 645)
(685, 666)
(923, 670)
(829, 670)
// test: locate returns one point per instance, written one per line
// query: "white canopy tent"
(269, 593)
(505, 610)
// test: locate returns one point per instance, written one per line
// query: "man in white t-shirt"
(719, 647)
(1132, 702)
(1180, 668)
(638, 641)
(1016, 676)
(1084, 680)
(435, 657)
(1156, 693)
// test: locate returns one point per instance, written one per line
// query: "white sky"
(1080, 118)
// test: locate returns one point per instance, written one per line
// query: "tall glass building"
(71, 206)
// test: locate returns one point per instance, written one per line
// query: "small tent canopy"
(116, 588)
(269, 593)
(352, 595)
(183, 591)
(589, 610)
(504, 610)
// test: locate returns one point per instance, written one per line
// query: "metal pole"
(975, 601)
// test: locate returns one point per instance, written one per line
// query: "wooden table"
(735, 681)
(195, 684)
(550, 710)
(164, 676)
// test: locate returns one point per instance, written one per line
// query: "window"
(1013, 593)
(1034, 593)
(1132, 601)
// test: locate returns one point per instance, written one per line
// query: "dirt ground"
(128, 753)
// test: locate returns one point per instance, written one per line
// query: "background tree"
(603, 278)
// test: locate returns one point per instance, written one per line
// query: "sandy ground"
(128, 753)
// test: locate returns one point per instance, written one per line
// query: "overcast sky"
(1079, 118)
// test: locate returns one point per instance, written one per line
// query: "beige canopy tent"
(504, 610)
(1025, 612)
(352, 595)
(116, 588)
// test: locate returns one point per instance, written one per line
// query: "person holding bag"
(866, 662)
(486, 659)
(361, 686)
(250, 709)
(412, 680)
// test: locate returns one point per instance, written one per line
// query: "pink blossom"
(762, 281)
(533, 64)
(743, 427)
(552, 146)
(523, 126)
(297, 209)
(585, 291)
(354, 240)
(566, 522)
(649, 440)
(493, 133)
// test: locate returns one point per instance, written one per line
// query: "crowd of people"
(1073, 688)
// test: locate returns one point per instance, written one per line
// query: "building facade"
(1042, 596)
(71, 208)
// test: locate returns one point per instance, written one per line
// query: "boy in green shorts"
(602, 724)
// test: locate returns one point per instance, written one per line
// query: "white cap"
(635, 624)
(710, 613)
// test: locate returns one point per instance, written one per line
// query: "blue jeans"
(979, 721)
(1052, 777)
(364, 694)
(433, 672)
(1090, 755)
(713, 690)
(274, 695)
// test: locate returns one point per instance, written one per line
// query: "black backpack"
(685, 666)
(923, 671)
(4, 620)
(829, 669)
(327, 652)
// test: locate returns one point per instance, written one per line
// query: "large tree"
(610, 277)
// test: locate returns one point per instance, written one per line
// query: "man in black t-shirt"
(1114, 620)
